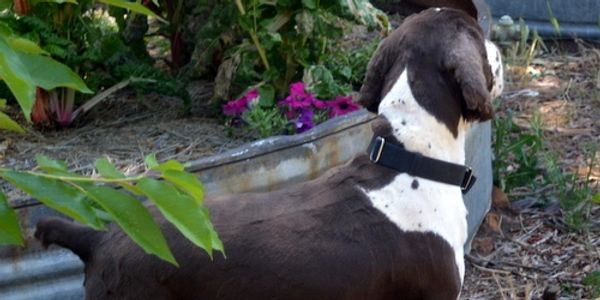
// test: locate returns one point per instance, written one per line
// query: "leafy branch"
(113, 196)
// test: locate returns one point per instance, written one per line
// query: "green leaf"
(169, 165)
(17, 78)
(107, 169)
(150, 161)
(25, 45)
(57, 167)
(10, 232)
(54, 1)
(182, 211)
(267, 95)
(5, 4)
(55, 194)
(596, 198)
(51, 165)
(365, 13)
(310, 4)
(133, 6)
(134, 219)
(49, 74)
(186, 182)
(8, 124)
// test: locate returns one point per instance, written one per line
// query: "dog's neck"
(416, 204)
(417, 129)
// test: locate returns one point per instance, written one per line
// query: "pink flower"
(298, 97)
(238, 106)
(341, 105)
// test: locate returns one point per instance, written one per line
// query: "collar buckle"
(377, 149)
(468, 181)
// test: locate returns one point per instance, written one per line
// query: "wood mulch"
(125, 129)
(524, 248)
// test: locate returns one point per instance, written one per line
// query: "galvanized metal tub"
(265, 165)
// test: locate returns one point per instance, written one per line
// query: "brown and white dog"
(360, 231)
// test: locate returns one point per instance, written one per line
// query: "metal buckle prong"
(377, 149)
(467, 181)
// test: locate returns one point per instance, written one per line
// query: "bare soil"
(521, 248)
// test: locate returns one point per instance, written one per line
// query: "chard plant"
(113, 197)
(46, 47)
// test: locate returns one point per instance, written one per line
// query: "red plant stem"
(178, 53)
(39, 112)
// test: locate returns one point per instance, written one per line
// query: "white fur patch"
(431, 206)
(495, 61)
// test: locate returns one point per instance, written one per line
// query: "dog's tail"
(77, 238)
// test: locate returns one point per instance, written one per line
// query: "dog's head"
(452, 72)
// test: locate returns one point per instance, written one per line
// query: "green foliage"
(265, 121)
(79, 38)
(521, 159)
(295, 39)
(516, 152)
(592, 280)
(576, 199)
(177, 194)
(6, 122)
(10, 232)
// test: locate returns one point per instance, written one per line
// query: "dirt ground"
(523, 248)
(520, 250)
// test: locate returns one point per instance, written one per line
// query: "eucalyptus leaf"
(186, 182)
(182, 211)
(107, 169)
(169, 165)
(50, 165)
(10, 231)
(134, 219)
(55, 194)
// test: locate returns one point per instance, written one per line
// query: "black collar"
(396, 157)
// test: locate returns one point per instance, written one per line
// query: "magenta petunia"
(341, 105)
(298, 98)
(238, 106)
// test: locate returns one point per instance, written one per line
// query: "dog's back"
(318, 240)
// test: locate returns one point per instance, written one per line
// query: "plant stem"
(255, 40)
(240, 7)
(80, 179)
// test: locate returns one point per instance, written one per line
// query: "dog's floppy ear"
(467, 61)
(381, 62)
